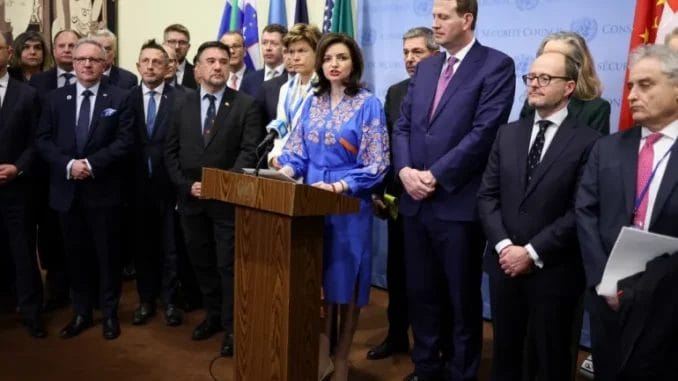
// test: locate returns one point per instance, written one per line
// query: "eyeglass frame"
(527, 78)
(92, 60)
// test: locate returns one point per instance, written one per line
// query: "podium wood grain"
(278, 262)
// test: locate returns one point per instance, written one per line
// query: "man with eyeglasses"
(178, 37)
(118, 76)
(526, 206)
(19, 109)
(84, 135)
(237, 67)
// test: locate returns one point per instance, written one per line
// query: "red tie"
(443, 81)
(645, 162)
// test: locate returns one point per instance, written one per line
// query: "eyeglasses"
(178, 42)
(92, 60)
(543, 80)
(235, 46)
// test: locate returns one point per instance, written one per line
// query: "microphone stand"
(261, 155)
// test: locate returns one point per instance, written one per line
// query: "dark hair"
(211, 44)
(352, 83)
(152, 44)
(19, 45)
(468, 6)
(75, 32)
(179, 29)
(275, 28)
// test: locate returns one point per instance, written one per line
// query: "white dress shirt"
(4, 82)
(181, 69)
(78, 101)
(239, 74)
(146, 91)
(205, 104)
(460, 55)
(270, 73)
(61, 80)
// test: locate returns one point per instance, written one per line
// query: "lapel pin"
(68, 97)
(105, 95)
(227, 104)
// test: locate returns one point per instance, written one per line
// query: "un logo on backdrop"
(526, 5)
(369, 37)
(523, 62)
(587, 27)
(422, 7)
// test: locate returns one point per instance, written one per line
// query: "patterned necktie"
(272, 74)
(67, 78)
(82, 127)
(645, 162)
(209, 117)
(233, 83)
(151, 112)
(443, 81)
(534, 156)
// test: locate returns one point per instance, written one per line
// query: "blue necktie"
(209, 118)
(82, 127)
(150, 113)
(67, 78)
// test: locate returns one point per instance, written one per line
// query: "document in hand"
(272, 174)
(631, 252)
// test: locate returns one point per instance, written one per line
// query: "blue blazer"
(455, 142)
(110, 140)
(122, 78)
(252, 81)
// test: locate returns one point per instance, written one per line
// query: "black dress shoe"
(143, 313)
(206, 329)
(35, 327)
(227, 345)
(78, 324)
(387, 348)
(173, 316)
(110, 328)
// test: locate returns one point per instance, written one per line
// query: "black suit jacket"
(268, 96)
(122, 78)
(394, 98)
(44, 82)
(237, 130)
(110, 140)
(606, 196)
(156, 185)
(542, 212)
(189, 77)
(18, 123)
(252, 81)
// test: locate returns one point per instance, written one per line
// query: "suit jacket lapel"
(163, 110)
(11, 97)
(222, 113)
(667, 186)
(629, 167)
(522, 147)
(431, 82)
(558, 145)
(100, 103)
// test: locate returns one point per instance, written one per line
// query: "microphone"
(276, 129)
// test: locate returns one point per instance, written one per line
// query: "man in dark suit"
(49, 240)
(526, 206)
(236, 45)
(274, 66)
(220, 128)
(19, 110)
(154, 194)
(85, 133)
(449, 118)
(178, 37)
(117, 76)
(631, 178)
(418, 43)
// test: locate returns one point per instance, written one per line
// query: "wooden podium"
(278, 260)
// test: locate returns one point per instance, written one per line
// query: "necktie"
(271, 74)
(645, 161)
(67, 78)
(443, 81)
(150, 113)
(209, 117)
(82, 127)
(534, 156)
(233, 84)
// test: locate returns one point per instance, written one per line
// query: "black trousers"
(398, 320)
(210, 242)
(92, 243)
(156, 255)
(50, 243)
(18, 225)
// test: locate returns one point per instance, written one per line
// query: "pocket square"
(108, 112)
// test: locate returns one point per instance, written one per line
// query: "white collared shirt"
(4, 82)
(92, 99)
(181, 69)
(460, 55)
(205, 103)
(61, 81)
(556, 120)
(239, 74)
(145, 90)
(270, 73)
(661, 147)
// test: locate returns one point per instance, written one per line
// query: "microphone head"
(279, 126)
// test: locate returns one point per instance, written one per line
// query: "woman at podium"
(341, 145)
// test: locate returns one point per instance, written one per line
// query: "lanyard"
(646, 187)
(290, 110)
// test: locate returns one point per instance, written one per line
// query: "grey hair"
(90, 41)
(667, 58)
(105, 33)
(426, 33)
(670, 36)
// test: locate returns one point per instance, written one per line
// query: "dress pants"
(605, 337)
(398, 320)
(210, 244)
(443, 267)
(18, 224)
(92, 242)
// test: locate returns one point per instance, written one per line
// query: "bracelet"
(333, 188)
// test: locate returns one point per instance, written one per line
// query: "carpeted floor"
(157, 352)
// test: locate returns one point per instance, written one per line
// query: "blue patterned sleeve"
(294, 153)
(373, 155)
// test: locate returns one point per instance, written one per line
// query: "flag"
(301, 12)
(277, 14)
(242, 17)
(650, 17)
(327, 16)
(342, 17)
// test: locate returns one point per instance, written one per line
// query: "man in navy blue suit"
(449, 118)
(274, 66)
(117, 76)
(84, 134)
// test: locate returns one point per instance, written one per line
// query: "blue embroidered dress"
(349, 143)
